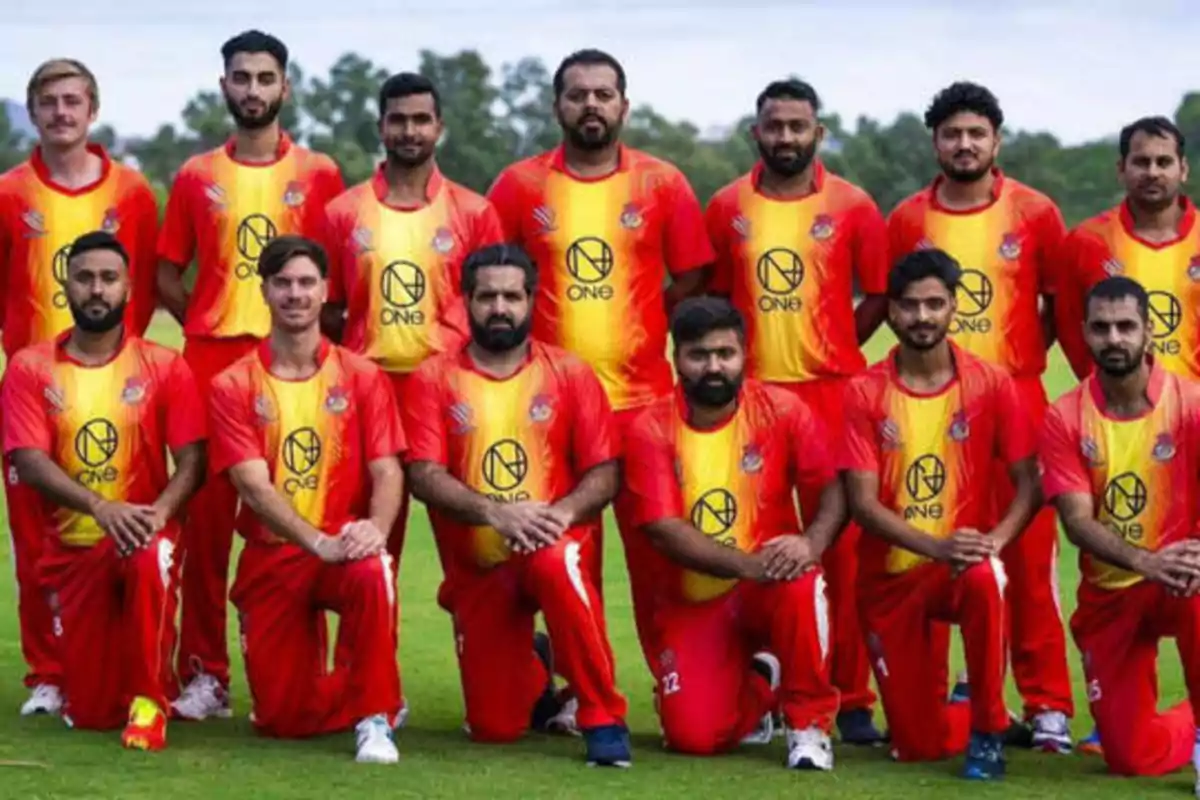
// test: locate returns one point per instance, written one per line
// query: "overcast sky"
(1077, 69)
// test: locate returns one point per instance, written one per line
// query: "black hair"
(963, 96)
(407, 84)
(1152, 126)
(587, 58)
(97, 240)
(498, 255)
(282, 249)
(1119, 287)
(790, 89)
(696, 317)
(255, 41)
(921, 264)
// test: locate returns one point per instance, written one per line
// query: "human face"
(788, 135)
(97, 288)
(63, 112)
(295, 295)
(591, 108)
(1152, 172)
(966, 146)
(1117, 335)
(498, 309)
(921, 315)
(711, 368)
(255, 88)
(410, 129)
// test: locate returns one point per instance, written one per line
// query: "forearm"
(831, 518)
(1018, 516)
(333, 320)
(685, 285)
(596, 490)
(171, 292)
(189, 474)
(1049, 326)
(434, 486)
(690, 548)
(36, 469)
(278, 515)
(869, 314)
(1102, 542)
(387, 495)
(880, 521)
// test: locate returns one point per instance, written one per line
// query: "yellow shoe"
(147, 727)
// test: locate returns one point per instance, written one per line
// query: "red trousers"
(708, 695)
(28, 528)
(116, 623)
(850, 669)
(1117, 632)
(208, 536)
(282, 593)
(493, 615)
(1037, 635)
(904, 619)
(395, 544)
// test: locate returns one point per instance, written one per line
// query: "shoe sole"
(618, 764)
(225, 713)
(1053, 748)
(810, 766)
(139, 743)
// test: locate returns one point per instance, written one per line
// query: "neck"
(969, 194)
(294, 354)
(73, 165)
(925, 369)
(94, 348)
(499, 365)
(592, 163)
(1164, 220)
(773, 184)
(408, 185)
(258, 144)
(1126, 395)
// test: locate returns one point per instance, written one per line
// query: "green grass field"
(40, 758)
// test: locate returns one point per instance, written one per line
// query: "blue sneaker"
(608, 746)
(1091, 744)
(985, 757)
(857, 726)
(961, 693)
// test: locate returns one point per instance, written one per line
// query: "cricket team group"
(794, 520)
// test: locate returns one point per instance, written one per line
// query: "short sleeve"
(185, 419)
(424, 420)
(505, 197)
(1015, 433)
(333, 238)
(716, 223)
(143, 261)
(26, 423)
(1063, 469)
(380, 416)
(900, 238)
(232, 437)
(812, 447)
(859, 450)
(177, 237)
(1051, 232)
(685, 239)
(650, 473)
(872, 260)
(486, 228)
(593, 430)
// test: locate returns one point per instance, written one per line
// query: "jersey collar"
(1154, 387)
(284, 147)
(997, 189)
(380, 186)
(956, 358)
(63, 354)
(43, 172)
(684, 409)
(558, 162)
(1186, 223)
(267, 357)
(466, 362)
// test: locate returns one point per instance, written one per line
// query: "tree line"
(496, 117)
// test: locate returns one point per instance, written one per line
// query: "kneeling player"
(89, 418)
(1121, 454)
(923, 425)
(714, 471)
(310, 436)
(512, 449)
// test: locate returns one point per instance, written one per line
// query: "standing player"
(513, 450)
(923, 428)
(605, 225)
(224, 207)
(397, 243)
(310, 436)
(1121, 454)
(88, 421)
(714, 470)
(68, 187)
(792, 240)
(1006, 236)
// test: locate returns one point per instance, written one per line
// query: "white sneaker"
(402, 715)
(202, 698)
(765, 731)
(376, 744)
(564, 721)
(44, 699)
(1051, 732)
(809, 749)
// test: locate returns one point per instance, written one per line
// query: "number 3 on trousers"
(670, 683)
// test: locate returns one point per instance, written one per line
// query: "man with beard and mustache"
(68, 186)
(923, 428)
(512, 447)
(606, 224)
(224, 207)
(1121, 456)
(89, 421)
(741, 624)
(1006, 236)
(793, 241)
(397, 242)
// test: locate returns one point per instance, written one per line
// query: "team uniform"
(222, 212)
(933, 454)
(108, 427)
(398, 269)
(1008, 253)
(604, 247)
(317, 437)
(39, 220)
(790, 267)
(1142, 475)
(529, 437)
(734, 483)
(1107, 245)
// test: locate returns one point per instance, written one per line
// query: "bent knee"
(373, 573)
(688, 738)
(988, 576)
(495, 728)
(157, 560)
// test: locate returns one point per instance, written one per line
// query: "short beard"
(789, 168)
(707, 395)
(967, 176)
(1125, 371)
(111, 319)
(397, 159)
(500, 340)
(581, 142)
(254, 123)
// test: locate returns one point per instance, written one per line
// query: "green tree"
(341, 112)
(13, 147)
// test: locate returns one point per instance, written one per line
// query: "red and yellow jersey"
(109, 427)
(603, 248)
(735, 483)
(1141, 473)
(1007, 251)
(317, 436)
(398, 269)
(790, 267)
(1170, 271)
(934, 453)
(39, 220)
(222, 212)
(528, 437)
